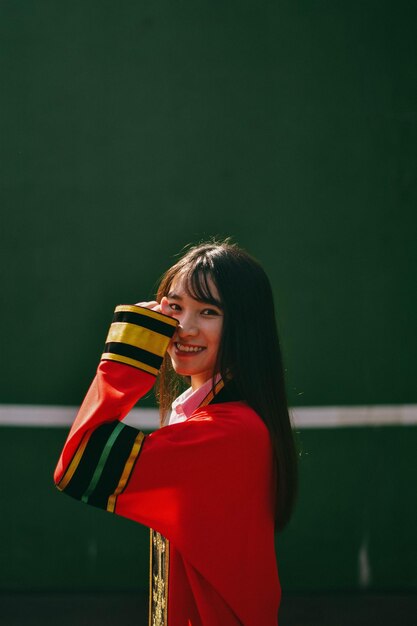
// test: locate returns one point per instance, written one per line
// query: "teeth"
(182, 348)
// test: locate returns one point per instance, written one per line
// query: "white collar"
(185, 405)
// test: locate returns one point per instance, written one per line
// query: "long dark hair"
(249, 348)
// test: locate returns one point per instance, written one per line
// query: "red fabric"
(206, 485)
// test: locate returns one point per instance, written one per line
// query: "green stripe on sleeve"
(102, 461)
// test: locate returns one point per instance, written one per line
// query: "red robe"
(205, 484)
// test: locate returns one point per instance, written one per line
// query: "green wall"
(130, 129)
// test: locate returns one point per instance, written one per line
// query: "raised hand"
(162, 307)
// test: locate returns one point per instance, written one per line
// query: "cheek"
(216, 337)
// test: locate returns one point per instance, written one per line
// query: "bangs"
(198, 283)
(198, 275)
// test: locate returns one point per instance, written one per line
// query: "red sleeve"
(101, 451)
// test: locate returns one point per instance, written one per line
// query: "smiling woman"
(196, 342)
(218, 477)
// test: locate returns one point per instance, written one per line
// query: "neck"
(197, 381)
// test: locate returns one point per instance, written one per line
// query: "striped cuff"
(102, 464)
(139, 337)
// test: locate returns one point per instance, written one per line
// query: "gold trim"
(111, 502)
(209, 397)
(75, 461)
(167, 551)
(110, 356)
(134, 335)
(130, 308)
(159, 581)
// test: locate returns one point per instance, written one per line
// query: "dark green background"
(130, 129)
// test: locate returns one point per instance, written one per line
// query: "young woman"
(221, 474)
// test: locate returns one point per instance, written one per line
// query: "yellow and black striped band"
(139, 337)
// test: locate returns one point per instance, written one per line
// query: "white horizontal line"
(63, 416)
(342, 416)
(148, 419)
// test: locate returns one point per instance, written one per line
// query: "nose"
(187, 326)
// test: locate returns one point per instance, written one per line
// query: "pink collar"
(185, 405)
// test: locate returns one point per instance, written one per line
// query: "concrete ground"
(117, 609)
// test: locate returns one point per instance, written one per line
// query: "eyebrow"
(175, 296)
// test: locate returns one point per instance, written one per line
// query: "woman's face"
(194, 347)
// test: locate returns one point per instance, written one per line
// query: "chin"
(183, 371)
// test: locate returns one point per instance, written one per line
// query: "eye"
(210, 312)
(174, 306)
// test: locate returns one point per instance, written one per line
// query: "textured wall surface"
(130, 129)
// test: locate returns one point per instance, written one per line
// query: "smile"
(185, 348)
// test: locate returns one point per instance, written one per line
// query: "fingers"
(165, 308)
(162, 307)
(153, 305)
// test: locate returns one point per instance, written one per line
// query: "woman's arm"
(100, 451)
(178, 478)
